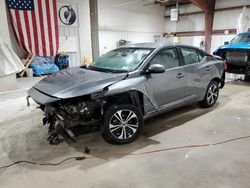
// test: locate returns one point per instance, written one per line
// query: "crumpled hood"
(243, 45)
(76, 82)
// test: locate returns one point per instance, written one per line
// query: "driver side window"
(167, 57)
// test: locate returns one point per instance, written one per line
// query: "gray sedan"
(125, 86)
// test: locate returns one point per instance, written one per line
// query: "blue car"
(236, 54)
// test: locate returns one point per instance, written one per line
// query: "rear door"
(168, 88)
(197, 73)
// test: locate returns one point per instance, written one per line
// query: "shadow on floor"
(32, 144)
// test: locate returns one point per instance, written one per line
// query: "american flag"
(35, 25)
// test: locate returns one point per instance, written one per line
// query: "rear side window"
(201, 55)
(167, 57)
(190, 56)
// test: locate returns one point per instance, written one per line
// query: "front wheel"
(122, 124)
(212, 94)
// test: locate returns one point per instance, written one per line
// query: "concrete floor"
(22, 137)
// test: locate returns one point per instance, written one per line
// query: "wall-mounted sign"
(67, 14)
(174, 15)
(226, 32)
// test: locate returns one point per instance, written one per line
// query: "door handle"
(208, 68)
(180, 75)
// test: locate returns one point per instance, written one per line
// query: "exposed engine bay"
(83, 113)
(63, 116)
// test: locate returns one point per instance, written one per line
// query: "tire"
(247, 78)
(211, 96)
(122, 124)
(222, 82)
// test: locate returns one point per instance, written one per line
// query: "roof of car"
(244, 33)
(151, 45)
(158, 45)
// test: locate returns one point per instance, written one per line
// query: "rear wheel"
(212, 94)
(122, 124)
(247, 78)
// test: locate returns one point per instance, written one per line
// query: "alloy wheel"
(212, 94)
(123, 124)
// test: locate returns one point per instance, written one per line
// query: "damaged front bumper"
(63, 115)
(39, 97)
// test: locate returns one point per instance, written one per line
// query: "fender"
(132, 84)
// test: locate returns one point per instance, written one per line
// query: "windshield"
(241, 38)
(121, 60)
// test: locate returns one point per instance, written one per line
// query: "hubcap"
(123, 124)
(212, 94)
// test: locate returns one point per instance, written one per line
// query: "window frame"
(201, 52)
(182, 56)
(168, 48)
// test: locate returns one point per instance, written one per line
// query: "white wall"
(84, 28)
(186, 23)
(108, 39)
(6, 32)
(222, 20)
(128, 20)
(81, 31)
(4, 29)
(230, 3)
(116, 15)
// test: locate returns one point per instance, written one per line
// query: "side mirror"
(226, 43)
(156, 68)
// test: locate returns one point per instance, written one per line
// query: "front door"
(168, 88)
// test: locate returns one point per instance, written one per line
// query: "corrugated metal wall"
(108, 39)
